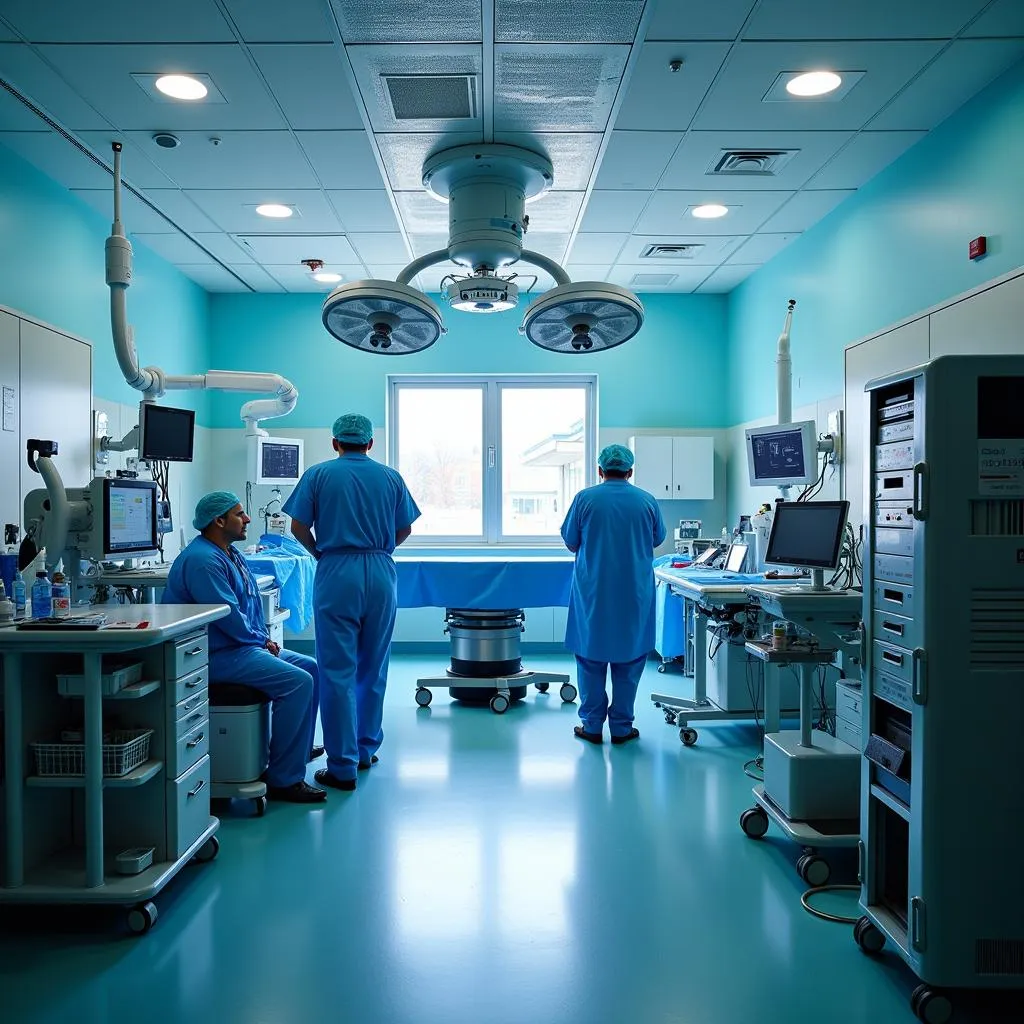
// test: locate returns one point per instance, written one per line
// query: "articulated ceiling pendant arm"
(432, 258)
(535, 258)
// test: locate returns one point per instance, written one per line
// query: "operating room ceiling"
(332, 106)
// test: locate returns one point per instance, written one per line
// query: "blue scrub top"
(352, 504)
(205, 573)
(614, 528)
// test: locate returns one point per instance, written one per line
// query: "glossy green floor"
(490, 868)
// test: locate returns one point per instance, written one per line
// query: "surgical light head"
(352, 428)
(212, 505)
(584, 316)
(382, 316)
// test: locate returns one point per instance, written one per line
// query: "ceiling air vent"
(652, 280)
(432, 97)
(671, 251)
(752, 161)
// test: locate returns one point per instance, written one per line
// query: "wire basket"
(125, 750)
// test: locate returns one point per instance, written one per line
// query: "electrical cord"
(824, 915)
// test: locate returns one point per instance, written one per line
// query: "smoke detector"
(486, 187)
(165, 140)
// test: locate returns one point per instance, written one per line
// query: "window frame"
(492, 385)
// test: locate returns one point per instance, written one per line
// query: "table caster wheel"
(814, 870)
(870, 939)
(261, 806)
(670, 718)
(141, 918)
(499, 704)
(661, 668)
(543, 687)
(423, 696)
(930, 1006)
(208, 850)
(687, 736)
(754, 822)
(567, 692)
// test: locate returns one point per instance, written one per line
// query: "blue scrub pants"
(292, 682)
(354, 602)
(594, 706)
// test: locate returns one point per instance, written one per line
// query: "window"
(495, 459)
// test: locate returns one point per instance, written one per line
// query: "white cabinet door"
(653, 468)
(693, 468)
(11, 452)
(988, 323)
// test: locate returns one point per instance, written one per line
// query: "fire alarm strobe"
(977, 247)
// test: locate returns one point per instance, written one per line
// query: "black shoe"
(363, 765)
(633, 734)
(298, 793)
(315, 752)
(591, 737)
(326, 778)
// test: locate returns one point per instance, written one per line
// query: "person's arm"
(659, 526)
(571, 532)
(304, 535)
(210, 583)
(406, 513)
(401, 536)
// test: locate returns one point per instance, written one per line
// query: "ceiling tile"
(284, 249)
(309, 83)
(714, 249)
(735, 102)
(587, 271)
(868, 19)
(866, 154)
(687, 277)
(341, 159)
(108, 85)
(137, 165)
(181, 209)
(234, 210)
(57, 159)
(548, 243)
(257, 278)
(598, 247)
(572, 154)
(805, 209)
(1003, 18)
(761, 248)
(388, 272)
(173, 247)
(553, 211)
(71, 21)
(667, 212)
(720, 20)
(659, 99)
(135, 215)
(949, 82)
(724, 279)
(636, 160)
(700, 151)
(386, 248)
(550, 87)
(223, 247)
(613, 211)
(571, 21)
(404, 154)
(15, 116)
(410, 21)
(422, 213)
(297, 278)
(217, 279)
(257, 160)
(6, 36)
(364, 210)
(260, 21)
(424, 242)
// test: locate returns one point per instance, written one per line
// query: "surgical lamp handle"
(437, 256)
(548, 265)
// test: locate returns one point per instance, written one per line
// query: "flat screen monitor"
(168, 435)
(807, 533)
(707, 556)
(736, 557)
(129, 517)
(783, 454)
(278, 460)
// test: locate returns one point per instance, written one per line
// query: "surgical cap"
(352, 429)
(211, 505)
(615, 457)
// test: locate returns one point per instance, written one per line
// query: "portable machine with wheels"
(239, 743)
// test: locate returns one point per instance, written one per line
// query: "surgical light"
(326, 277)
(275, 210)
(382, 316)
(709, 211)
(181, 87)
(813, 83)
(585, 316)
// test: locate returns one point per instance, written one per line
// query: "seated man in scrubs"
(613, 529)
(211, 571)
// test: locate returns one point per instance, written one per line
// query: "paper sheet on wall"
(9, 409)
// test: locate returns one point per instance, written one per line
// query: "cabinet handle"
(194, 650)
(198, 717)
(920, 504)
(193, 683)
(892, 627)
(192, 792)
(895, 659)
(192, 744)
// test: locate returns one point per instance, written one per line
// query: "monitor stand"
(818, 581)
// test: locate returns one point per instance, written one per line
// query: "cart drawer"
(848, 733)
(186, 655)
(185, 707)
(189, 749)
(897, 629)
(199, 715)
(188, 807)
(187, 685)
(848, 704)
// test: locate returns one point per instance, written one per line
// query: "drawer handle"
(895, 659)
(197, 717)
(192, 744)
(193, 651)
(893, 595)
(892, 627)
(199, 786)
(193, 683)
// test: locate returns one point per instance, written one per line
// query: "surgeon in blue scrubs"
(351, 513)
(210, 571)
(613, 528)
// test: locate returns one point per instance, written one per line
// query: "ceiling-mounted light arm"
(430, 260)
(547, 265)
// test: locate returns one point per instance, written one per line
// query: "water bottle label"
(61, 607)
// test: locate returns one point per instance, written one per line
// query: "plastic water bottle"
(61, 592)
(725, 535)
(42, 596)
(18, 595)
(6, 607)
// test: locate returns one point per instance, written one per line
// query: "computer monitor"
(807, 533)
(278, 460)
(168, 435)
(783, 454)
(736, 557)
(129, 517)
(707, 556)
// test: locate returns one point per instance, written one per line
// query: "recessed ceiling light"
(181, 87)
(277, 210)
(709, 211)
(814, 83)
(326, 277)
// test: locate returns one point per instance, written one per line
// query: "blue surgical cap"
(352, 428)
(211, 505)
(615, 457)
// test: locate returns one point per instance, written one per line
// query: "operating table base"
(501, 697)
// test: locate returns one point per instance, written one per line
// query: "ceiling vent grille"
(432, 97)
(761, 162)
(652, 280)
(671, 251)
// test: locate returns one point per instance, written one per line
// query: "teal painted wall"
(895, 248)
(52, 268)
(644, 383)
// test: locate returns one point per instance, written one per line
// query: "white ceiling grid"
(306, 120)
